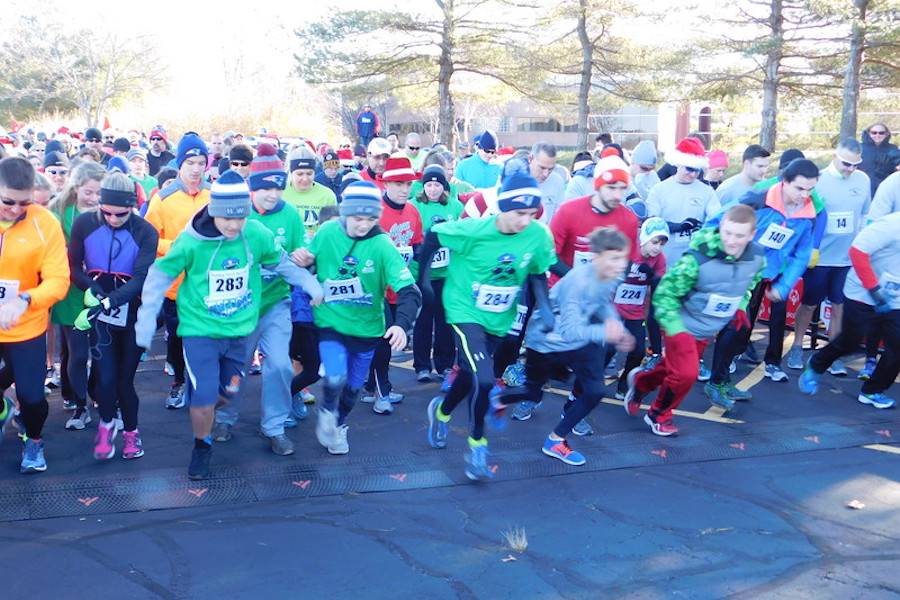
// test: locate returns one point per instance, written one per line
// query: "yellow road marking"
(883, 448)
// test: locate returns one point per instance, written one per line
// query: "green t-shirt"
(66, 310)
(448, 212)
(290, 234)
(488, 268)
(309, 203)
(148, 183)
(354, 275)
(455, 189)
(221, 294)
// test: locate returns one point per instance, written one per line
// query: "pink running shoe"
(134, 448)
(103, 441)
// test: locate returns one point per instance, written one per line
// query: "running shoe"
(104, 447)
(561, 450)
(307, 396)
(732, 366)
(176, 397)
(52, 378)
(169, 369)
(200, 459)
(69, 404)
(340, 445)
(837, 368)
(326, 424)
(33, 457)
(256, 364)
(611, 371)
(298, 407)
(392, 397)
(437, 429)
(718, 395)
(750, 355)
(583, 428)
(808, 381)
(78, 420)
(423, 376)
(775, 373)
(221, 432)
(868, 369)
(290, 422)
(496, 415)
(524, 409)
(663, 428)
(795, 358)
(7, 411)
(652, 361)
(704, 374)
(134, 447)
(120, 424)
(477, 468)
(383, 406)
(633, 397)
(514, 374)
(877, 400)
(280, 443)
(449, 378)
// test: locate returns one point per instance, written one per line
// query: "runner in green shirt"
(355, 262)
(490, 260)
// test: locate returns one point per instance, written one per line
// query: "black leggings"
(73, 364)
(174, 347)
(636, 328)
(475, 350)
(27, 360)
(586, 363)
(115, 357)
(305, 350)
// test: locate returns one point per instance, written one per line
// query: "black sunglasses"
(9, 202)
(692, 169)
(414, 147)
(155, 138)
(109, 213)
(57, 171)
(239, 163)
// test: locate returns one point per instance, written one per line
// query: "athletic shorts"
(824, 282)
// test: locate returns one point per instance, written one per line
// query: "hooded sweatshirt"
(875, 162)
(221, 294)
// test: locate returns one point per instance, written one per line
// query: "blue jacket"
(333, 184)
(301, 311)
(785, 265)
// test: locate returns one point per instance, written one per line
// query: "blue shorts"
(214, 367)
(824, 282)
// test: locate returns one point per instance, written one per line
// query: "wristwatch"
(26, 297)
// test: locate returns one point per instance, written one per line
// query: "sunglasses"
(489, 151)
(38, 150)
(155, 138)
(414, 147)
(118, 215)
(239, 163)
(849, 165)
(110, 138)
(57, 171)
(692, 170)
(878, 133)
(93, 140)
(9, 202)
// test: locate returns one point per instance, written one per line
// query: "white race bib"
(9, 289)
(441, 258)
(228, 284)
(520, 319)
(627, 293)
(721, 306)
(117, 316)
(581, 258)
(775, 236)
(840, 222)
(496, 298)
(406, 252)
(343, 289)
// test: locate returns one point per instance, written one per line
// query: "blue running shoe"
(437, 429)
(477, 468)
(560, 449)
(877, 400)
(868, 369)
(298, 407)
(704, 374)
(290, 422)
(809, 381)
(496, 415)
(33, 457)
(514, 374)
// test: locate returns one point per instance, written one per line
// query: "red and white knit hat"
(610, 169)
(398, 169)
(689, 152)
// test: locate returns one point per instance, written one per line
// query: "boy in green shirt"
(221, 255)
(355, 262)
(491, 259)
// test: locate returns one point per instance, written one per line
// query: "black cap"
(121, 145)
(93, 135)
(787, 156)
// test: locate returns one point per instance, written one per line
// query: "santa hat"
(398, 169)
(689, 152)
(346, 157)
(610, 169)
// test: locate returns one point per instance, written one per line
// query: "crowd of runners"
(500, 270)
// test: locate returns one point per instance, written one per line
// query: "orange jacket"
(33, 253)
(170, 210)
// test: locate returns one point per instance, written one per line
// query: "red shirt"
(633, 294)
(404, 227)
(367, 177)
(576, 219)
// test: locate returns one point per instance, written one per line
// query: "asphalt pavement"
(787, 496)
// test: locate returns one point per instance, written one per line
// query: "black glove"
(646, 269)
(691, 224)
